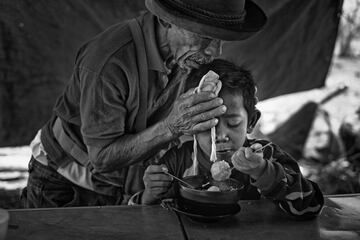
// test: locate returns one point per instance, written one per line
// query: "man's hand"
(248, 161)
(156, 183)
(194, 112)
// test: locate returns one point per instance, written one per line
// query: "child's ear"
(252, 122)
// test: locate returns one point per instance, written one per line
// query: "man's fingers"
(209, 87)
(213, 113)
(195, 98)
(218, 88)
(188, 93)
(194, 112)
(203, 126)
(206, 106)
(206, 120)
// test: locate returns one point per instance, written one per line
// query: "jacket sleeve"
(283, 182)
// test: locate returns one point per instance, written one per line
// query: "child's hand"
(156, 183)
(248, 161)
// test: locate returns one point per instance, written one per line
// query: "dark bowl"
(200, 195)
(204, 212)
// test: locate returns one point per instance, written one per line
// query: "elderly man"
(126, 102)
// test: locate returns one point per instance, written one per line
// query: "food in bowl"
(229, 190)
(213, 189)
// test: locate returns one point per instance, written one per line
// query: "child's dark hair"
(235, 79)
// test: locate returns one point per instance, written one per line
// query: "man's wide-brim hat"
(221, 19)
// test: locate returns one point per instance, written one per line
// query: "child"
(271, 172)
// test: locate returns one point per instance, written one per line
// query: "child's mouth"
(224, 154)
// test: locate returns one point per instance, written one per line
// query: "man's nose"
(214, 48)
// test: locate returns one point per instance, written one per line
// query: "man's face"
(190, 49)
(230, 131)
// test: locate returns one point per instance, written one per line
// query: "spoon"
(260, 149)
(178, 179)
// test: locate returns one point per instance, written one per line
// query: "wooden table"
(340, 219)
(98, 223)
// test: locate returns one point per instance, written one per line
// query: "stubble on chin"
(190, 65)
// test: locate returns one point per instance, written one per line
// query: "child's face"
(230, 131)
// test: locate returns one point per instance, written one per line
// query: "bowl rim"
(182, 186)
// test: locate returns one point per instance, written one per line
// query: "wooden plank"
(340, 219)
(118, 222)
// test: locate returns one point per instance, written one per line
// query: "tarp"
(39, 39)
(293, 134)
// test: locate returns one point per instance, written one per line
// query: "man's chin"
(189, 65)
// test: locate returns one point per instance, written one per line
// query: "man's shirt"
(101, 103)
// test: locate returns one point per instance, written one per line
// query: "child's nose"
(221, 135)
(222, 139)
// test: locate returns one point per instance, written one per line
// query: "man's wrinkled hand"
(194, 112)
(156, 183)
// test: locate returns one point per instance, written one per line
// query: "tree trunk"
(346, 35)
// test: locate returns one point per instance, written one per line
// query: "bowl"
(199, 194)
(201, 212)
(200, 204)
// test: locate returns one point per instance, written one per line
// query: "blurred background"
(306, 63)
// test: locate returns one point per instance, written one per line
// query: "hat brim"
(255, 20)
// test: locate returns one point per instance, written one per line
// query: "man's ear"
(252, 122)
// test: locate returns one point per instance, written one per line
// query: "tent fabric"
(292, 134)
(294, 51)
(39, 40)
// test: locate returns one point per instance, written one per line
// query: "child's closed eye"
(234, 123)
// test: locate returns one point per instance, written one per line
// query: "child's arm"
(158, 185)
(295, 194)
(281, 180)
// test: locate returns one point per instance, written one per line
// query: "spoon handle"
(260, 149)
(178, 179)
